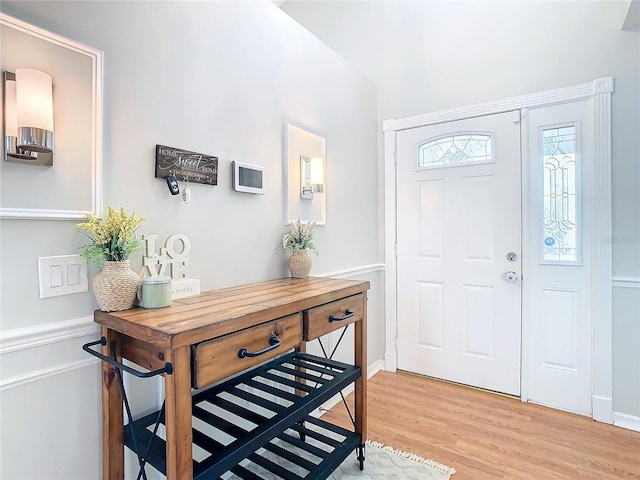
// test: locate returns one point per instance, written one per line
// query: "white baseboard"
(390, 362)
(602, 409)
(374, 368)
(629, 422)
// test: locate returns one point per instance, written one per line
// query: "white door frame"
(599, 91)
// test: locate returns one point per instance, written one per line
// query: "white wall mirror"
(69, 186)
(305, 176)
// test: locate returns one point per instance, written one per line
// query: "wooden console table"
(201, 340)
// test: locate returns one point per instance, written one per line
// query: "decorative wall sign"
(186, 165)
(172, 255)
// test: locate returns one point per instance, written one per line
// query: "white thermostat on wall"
(248, 178)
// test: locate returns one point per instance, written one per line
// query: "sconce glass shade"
(311, 176)
(317, 175)
(10, 109)
(34, 101)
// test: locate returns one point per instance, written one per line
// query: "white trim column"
(391, 355)
(602, 255)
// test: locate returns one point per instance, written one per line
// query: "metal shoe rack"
(258, 424)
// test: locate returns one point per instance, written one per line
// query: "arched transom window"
(455, 150)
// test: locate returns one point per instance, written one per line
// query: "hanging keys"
(186, 191)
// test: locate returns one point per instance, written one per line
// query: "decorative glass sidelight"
(455, 150)
(560, 195)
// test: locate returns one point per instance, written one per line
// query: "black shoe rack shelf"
(258, 424)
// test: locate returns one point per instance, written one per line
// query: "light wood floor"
(489, 436)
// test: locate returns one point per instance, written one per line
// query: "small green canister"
(155, 292)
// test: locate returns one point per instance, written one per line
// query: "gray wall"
(221, 78)
(427, 56)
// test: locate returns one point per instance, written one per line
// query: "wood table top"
(191, 320)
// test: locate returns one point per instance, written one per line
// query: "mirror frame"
(96, 57)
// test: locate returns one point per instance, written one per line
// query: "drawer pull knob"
(347, 314)
(273, 341)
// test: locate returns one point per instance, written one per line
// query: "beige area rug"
(385, 463)
(381, 463)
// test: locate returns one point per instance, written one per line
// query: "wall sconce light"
(28, 117)
(311, 176)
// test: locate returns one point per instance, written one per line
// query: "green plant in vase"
(299, 239)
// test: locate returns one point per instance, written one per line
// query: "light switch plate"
(74, 275)
(55, 276)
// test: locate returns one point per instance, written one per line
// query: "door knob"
(511, 277)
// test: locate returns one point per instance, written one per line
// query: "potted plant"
(299, 239)
(113, 239)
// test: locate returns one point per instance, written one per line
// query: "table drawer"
(331, 316)
(233, 353)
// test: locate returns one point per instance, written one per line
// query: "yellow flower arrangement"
(113, 238)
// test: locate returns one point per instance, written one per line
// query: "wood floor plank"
(490, 436)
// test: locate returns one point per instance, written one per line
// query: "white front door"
(458, 251)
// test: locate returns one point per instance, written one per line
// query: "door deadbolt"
(512, 256)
